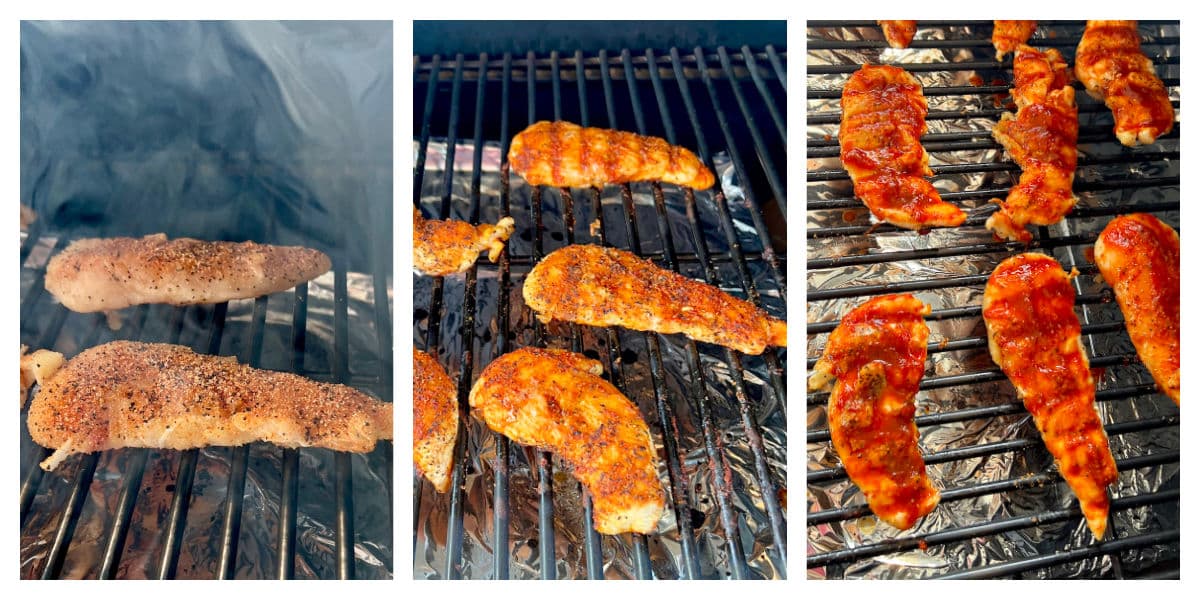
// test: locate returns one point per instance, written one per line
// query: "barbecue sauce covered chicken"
(1008, 35)
(1034, 335)
(109, 274)
(603, 287)
(1138, 255)
(1110, 63)
(556, 401)
(883, 119)
(1041, 139)
(874, 361)
(563, 154)
(899, 34)
(448, 247)
(435, 420)
(135, 395)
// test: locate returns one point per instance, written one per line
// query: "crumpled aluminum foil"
(1046, 538)
(665, 550)
(199, 552)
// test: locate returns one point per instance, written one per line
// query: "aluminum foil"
(665, 553)
(200, 549)
(1045, 538)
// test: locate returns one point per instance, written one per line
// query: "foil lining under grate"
(983, 450)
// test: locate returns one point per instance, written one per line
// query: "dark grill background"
(689, 98)
(850, 261)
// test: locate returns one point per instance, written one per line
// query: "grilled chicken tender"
(1110, 63)
(1034, 335)
(603, 287)
(564, 154)
(883, 119)
(556, 401)
(108, 274)
(899, 34)
(1138, 256)
(1008, 35)
(435, 421)
(874, 362)
(36, 368)
(448, 247)
(1041, 139)
(135, 395)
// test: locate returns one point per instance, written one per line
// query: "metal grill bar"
(425, 71)
(954, 66)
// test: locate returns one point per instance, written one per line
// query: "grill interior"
(1005, 511)
(137, 513)
(718, 416)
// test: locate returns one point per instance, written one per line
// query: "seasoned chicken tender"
(448, 247)
(874, 361)
(1138, 255)
(1110, 63)
(1041, 139)
(883, 119)
(134, 395)
(603, 287)
(899, 34)
(564, 154)
(1034, 335)
(435, 421)
(1008, 35)
(108, 274)
(556, 401)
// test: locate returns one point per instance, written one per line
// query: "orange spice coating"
(135, 395)
(435, 421)
(1138, 255)
(899, 34)
(556, 401)
(446, 247)
(107, 274)
(1034, 335)
(563, 154)
(877, 357)
(603, 287)
(883, 119)
(1008, 35)
(1110, 63)
(1041, 139)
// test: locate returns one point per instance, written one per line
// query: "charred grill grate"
(1004, 511)
(695, 94)
(212, 547)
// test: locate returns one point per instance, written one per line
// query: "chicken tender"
(564, 154)
(1110, 63)
(899, 34)
(603, 287)
(448, 247)
(435, 420)
(556, 401)
(135, 395)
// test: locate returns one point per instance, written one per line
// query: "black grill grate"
(851, 260)
(706, 82)
(42, 326)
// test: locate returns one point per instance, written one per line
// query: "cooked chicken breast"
(1008, 35)
(108, 274)
(37, 368)
(1110, 63)
(563, 154)
(1034, 335)
(556, 401)
(1138, 256)
(899, 34)
(874, 361)
(603, 287)
(135, 395)
(435, 420)
(1041, 139)
(883, 119)
(448, 247)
